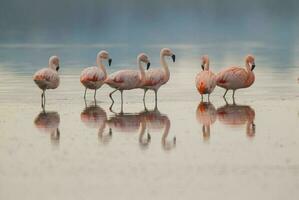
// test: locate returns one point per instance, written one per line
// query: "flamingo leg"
(95, 94)
(122, 100)
(234, 97)
(110, 95)
(44, 99)
(85, 93)
(201, 97)
(145, 90)
(156, 98)
(208, 97)
(225, 93)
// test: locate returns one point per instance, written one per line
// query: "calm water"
(182, 150)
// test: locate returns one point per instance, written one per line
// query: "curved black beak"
(148, 65)
(202, 67)
(252, 67)
(110, 61)
(173, 58)
(57, 68)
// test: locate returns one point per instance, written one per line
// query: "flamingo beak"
(173, 58)
(110, 61)
(202, 67)
(148, 65)
(252, 66)
(57, 68)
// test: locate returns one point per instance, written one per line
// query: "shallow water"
(182, 150)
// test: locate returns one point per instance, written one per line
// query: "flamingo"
(94, 116)
(234, 78)
(128, 79)
(47, 78)
(48, 122)
(155, 78)
(206, 115)
(93, 77)
(205, 80)
(236, 115)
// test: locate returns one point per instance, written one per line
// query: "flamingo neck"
(164, 66)
(101, 65)
(207, 65)
(248, 67)
(142, 72)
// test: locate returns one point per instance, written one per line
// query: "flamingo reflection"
(142, 122)
(95, 117)
(48, 122)
(206, 115)
(158, 121)
(237, 115)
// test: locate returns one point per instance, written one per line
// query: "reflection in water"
(140, 122)
(238, 115)
(157, 121)
(95, 117)
(206, 115)
(48, 122)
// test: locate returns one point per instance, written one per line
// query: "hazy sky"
(147, 22)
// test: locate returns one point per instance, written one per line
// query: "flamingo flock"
(231, 78)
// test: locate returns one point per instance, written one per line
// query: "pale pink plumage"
(128, 79)
(234, 78)
(155, 78)
(47, 78)
(205, 81)
(93, 77)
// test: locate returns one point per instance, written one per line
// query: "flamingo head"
(250, 62)
(54, 63)
(145, 59)
(168, 52)
(205, 62)
(104, 55)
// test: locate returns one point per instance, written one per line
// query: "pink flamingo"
(47, 78)
(93, 77)
(234, 78)
(128, 79)
(205, 80)
(237, 115)
(155, 78)
(206, 115)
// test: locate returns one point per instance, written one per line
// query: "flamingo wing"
(47, 75)
(93, 74)
(233, 76)
(154, 77)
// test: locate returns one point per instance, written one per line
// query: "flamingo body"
(46, 78)
(92, 78)
(125, 80)
(205, 82)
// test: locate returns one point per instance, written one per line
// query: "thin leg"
(145, 90)
(208, 97)
(110, 95)
(225, 93)
(95, 94)
(42, 99)
(201, 97)
(122, 101)
(44, 94)
(234, 96)
(85, 93)
(156, 98)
